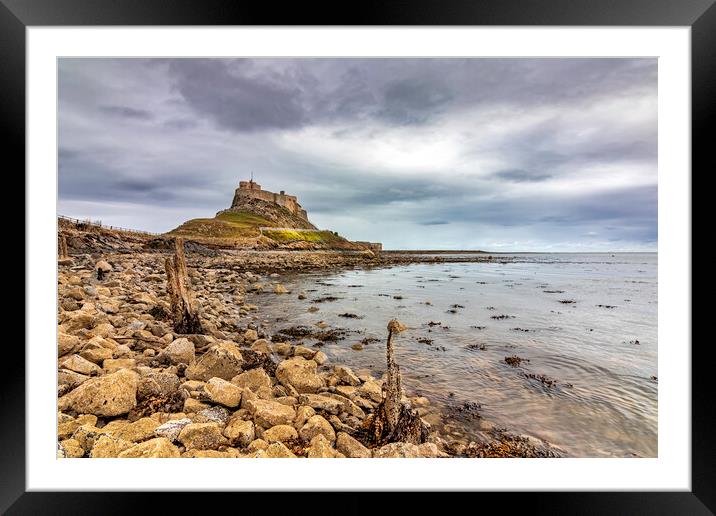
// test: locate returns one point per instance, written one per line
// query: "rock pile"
(130, 386)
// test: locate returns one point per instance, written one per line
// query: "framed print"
(443, 247)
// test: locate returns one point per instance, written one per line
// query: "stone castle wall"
(253, 189)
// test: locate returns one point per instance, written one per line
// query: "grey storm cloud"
(521, 176)
(413, 152)
(126, 112)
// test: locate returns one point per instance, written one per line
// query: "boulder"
(222, 360)
(109, 395)
(180, 351)
(71, 449)
(282, 348)
(268, 413)
(159, 447)
(65, 429)
(253, 379)
(261, 346)
(372, 389)
(202, 436)
(303, 351)
(223, 392)
(107, 446)
(213, 415)
(303, 412)
(279, 289)
(346, 375)
(300, 374)
(280, 433)
(317, 425)
(320, 358)
(96, 355)
(250, 335)
(66, 343)
(407, 450)
(351, 447)
(112, 365)
(322, 403)
(278, 450)
(172, 429)
(138, 431)
(239, 432)
(321, 449)
(80, 365)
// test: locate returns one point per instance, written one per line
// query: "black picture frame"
(700, 15)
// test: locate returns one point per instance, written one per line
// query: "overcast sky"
(494, 154)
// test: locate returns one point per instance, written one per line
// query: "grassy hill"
(227, 226)
(241, 229)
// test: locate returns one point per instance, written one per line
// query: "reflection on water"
(586, 321)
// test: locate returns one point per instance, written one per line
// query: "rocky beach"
(130, 385)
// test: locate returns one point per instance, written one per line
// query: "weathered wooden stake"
(63, 247)
(394, 421)
(183, 306)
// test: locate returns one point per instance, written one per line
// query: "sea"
(583, 328)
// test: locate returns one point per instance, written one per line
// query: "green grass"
(227, 225)
(286, 235)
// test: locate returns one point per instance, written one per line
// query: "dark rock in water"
(553, 291)
(350, 316)
(480, 347)
(545, 380)
(299, 332)
(606, 306)
(502, 317)
(478, 327)
(504, 444)
(324, 299)
(567, 301)
(424, 340)
(522, 329)
(433, 323)
(514, 360)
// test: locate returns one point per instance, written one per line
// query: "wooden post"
(63, 246)
(183, 305)
(394, 421)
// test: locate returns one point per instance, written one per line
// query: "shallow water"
(604, 403)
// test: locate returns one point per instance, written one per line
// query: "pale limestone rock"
(109, 395)
(80, 365)
(159, 447)
(222, 360)
(239, 432)
(138, 431)
(66, 343)
(172, 429)
(109, 447)
(180, 351)
(252, 379)
(278, 450)
(280, 433)
(223, 392)
(317, 425)
(300, 374)
(351, 447)
(346, 375)
(321, 449)
(261, 346)
(321, 402)
(268, 413)
(202, 436)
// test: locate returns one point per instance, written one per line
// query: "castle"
(253, 189)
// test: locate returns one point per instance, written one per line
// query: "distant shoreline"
(472, 251)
